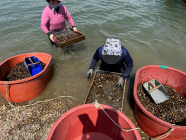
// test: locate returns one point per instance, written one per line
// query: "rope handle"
(164, 135)
(98, 105)
(30, 104)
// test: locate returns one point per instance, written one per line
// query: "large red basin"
(149, 123)
(28, 88)
(85, 122)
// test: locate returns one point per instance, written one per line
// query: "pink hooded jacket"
(51, 20)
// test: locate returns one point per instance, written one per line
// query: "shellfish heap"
(104, 91)
(172, 110)
(65, 37)
(19, 71)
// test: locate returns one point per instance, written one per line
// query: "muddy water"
(152, 31)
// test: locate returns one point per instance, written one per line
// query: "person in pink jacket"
(53, 18)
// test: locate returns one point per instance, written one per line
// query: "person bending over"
(114, 58)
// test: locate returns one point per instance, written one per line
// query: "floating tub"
(28, 88)
(85, 122)
(150, 124)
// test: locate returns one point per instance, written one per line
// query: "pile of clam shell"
(66, 37)
(32, 122)
(104, 91)
(172, 110)
(19, 71)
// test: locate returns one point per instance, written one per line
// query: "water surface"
(153, 32)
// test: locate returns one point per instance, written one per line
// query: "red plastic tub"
(85, 122)
(149, 123)
(28, 88)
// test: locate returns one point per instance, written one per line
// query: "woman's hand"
(52, 38)
(75, 29)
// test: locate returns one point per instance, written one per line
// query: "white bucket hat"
(111, 52)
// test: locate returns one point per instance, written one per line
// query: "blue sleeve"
(129, 64)
(95, 58)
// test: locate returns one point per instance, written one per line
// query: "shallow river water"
(153, 31)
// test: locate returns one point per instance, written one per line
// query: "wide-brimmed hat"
(111, 52)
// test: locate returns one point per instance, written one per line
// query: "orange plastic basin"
(28, 88)
(149, 123)
(85, 122)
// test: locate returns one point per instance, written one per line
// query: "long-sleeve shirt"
(51, 20)
(125, 64)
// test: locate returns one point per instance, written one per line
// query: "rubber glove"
(120, 82)
(89, 73)
(52, 38)
(75, 29)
